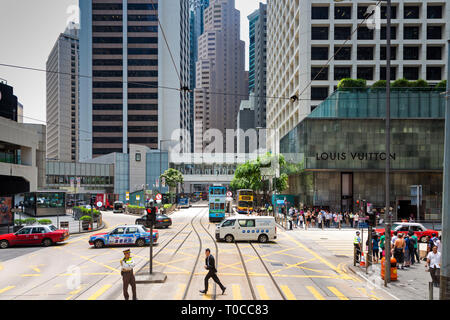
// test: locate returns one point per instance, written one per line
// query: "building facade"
(133, 96)
(257, 62)
(220, 74)
(8, 102)
(340, 148)
(63, 97)
(303, 35)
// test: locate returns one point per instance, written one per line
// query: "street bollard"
(430, 291)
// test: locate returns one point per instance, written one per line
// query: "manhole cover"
(275, 264)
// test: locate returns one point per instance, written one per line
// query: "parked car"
(162, 221)
(124, 235)
(31, 235)
(404, 227)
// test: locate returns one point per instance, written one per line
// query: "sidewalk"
(412, 283)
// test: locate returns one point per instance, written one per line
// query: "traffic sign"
(99, 204)
(158, 196)
(229, 194)
(127, 196)
(138, 197)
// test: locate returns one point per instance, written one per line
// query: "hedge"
(45, 221)
(86, 218)
(352, 83)
(30, 221)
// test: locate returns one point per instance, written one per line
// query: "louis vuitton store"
(341, 148)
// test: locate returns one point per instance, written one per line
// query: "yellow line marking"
(329, 264)
(180, 291)
(99, 292)
(262, 292)
(337, 293)
(207, 296)
(372, 296)
(90, 274)
(36, 269)
(288, 293)
(1, 267)
(30, 275)
(293, 265)
(315, 293)
(6, 289)
(72, 293)
(236, 292)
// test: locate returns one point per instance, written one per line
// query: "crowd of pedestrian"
(310, 218)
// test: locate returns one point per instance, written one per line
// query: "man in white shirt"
(434, 265)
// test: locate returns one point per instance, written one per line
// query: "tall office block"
(303, 35)
(196, 27)
(62, 97)
(123, 49)
(257, 62)
(220, 69)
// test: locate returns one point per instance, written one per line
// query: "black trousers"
(128, 279)
(216, 279)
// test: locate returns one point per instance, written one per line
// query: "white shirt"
(435, 259)
(127, 265)
(438, 244)
(356, 217)
(393, 239)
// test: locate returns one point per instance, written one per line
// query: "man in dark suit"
(210, 265)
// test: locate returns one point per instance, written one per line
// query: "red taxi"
(404, 227)
(45, 235)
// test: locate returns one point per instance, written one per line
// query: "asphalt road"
(298, 265)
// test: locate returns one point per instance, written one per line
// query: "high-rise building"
(220, 73)
(8, 102)
(62, 97)
(196, 27)
(303, 35)
(257, 62)
(130, 98)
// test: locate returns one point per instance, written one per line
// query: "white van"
(247, 228)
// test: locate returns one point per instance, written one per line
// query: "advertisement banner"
(6, 216)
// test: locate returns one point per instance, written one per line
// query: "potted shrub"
(85, 222)
(30, 221)
(18, 224)
(44, 221)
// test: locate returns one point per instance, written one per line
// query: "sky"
(28, 32)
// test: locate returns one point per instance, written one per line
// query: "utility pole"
(444, 291)
(388, 217)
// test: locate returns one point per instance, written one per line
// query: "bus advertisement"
(245, 198)
(217, 199)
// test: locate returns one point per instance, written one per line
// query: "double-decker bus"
(217, 199)
(107, 199)
(244, 199)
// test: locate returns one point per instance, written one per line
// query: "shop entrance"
(405, 209)
(346, 192)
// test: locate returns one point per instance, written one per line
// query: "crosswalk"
(262, 293)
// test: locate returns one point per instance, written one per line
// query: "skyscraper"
(196, 28)
(257, 62)
(62, 97)
(220, 78)
(124, 50)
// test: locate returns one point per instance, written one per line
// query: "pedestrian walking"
(356, 220)
(127, 264)
(407, 255)
(357, 245)
(351, 217)
(394, 237)
(413, 241)
(301, 220)
(382, 240)
(375, 247)
(434, 265)
(340, 220)
(399, 251)
(320, 220)
(308, 219)
(210, 265)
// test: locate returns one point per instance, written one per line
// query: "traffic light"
(93, 200)
(151, 215)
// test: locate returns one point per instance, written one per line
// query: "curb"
(89, 231)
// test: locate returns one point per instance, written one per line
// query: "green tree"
(379, 84)
(172, 177)
(441, 85)
(400, 83)
(419, 84)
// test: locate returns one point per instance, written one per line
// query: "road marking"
(372, 296)
(288, 293)
(207, 296)
(236, 292)
(337, 293)
(262, 292)
(99, 292)
(30, 275)
(314, 254)
(315, 293)
(1, 267)
(72, 293)
(179, 294)
(6, 289)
